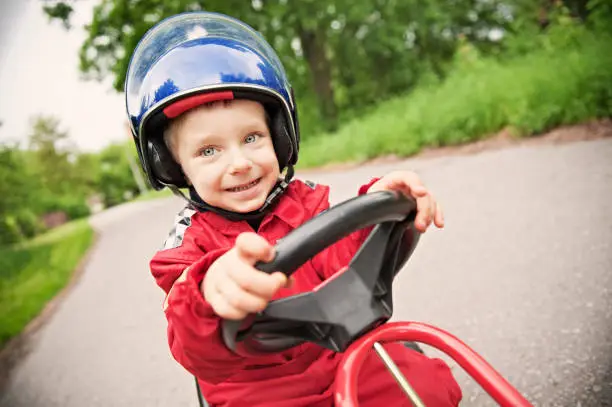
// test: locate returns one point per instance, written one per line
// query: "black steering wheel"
(349, 303)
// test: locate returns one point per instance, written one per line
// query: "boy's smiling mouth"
(244, 187)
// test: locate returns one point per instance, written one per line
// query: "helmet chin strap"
(273, 196)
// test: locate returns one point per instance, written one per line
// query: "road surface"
(522, 272)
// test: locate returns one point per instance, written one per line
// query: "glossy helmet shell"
(194, 58)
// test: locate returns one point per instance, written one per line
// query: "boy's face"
(226, 152)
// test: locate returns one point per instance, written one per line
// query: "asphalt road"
(522, 273)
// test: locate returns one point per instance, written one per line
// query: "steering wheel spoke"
(369, 259)
(349, 303)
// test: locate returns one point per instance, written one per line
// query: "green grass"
(528, 94)
(153, 194)
(32, 273)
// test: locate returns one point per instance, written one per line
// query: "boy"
(211, 110)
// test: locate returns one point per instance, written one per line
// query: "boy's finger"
(290, 282)
(439, 216)
(283, 280)
(257, 282)
(252, 248)
(240, 299)
(433, 207)
(223, 308)
(416, 191)
(407, 182)
(412, 188)
(411, 183)
(228, 312)
(424, 213)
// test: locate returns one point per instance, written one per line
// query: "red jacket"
(301, 376)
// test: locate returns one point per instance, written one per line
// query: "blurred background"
(373, 78)
(522, 65)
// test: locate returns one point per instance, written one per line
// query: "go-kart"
(349, 311)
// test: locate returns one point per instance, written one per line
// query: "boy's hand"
(410, 184)
(233, 287)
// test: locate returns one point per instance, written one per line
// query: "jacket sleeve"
(338, 255)
(193, 327)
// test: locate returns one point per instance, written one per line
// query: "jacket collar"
(287, 209)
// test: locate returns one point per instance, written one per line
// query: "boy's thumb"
(281, 278)
(290, 282)
(254, 247)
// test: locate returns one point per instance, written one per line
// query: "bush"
(29, 224)
(530, 94)
(9, 231)
(19, 226)
(73, 207)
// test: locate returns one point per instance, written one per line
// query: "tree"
(116, 181)
(117, 26)
(52, 154)
(60, 10)
(343, 54)
(12, 171)
(18, 191)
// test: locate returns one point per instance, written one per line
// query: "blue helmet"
(193, 58)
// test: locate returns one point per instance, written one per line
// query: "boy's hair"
(175, 123)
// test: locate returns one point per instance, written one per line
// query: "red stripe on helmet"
(177, 108)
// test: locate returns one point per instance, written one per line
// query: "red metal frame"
(488, 378)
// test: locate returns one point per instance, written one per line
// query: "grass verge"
(528, 94)
(153, 194)
(31, 274)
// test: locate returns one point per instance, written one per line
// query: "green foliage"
(13, 171)
(460, 72)
(332, 50)
(115, 181)
(51, 154)
(153, 194)
(30, 275)
(17, 187)
(59, 10)
(73, 206)
(9, 231)
(529, 94)
(28, 223)
(52, 176)
(600, 15)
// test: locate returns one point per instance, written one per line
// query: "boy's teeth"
(238, 189)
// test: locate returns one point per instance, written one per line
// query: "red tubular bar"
(490, 380)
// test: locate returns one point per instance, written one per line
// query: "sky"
(39, 75)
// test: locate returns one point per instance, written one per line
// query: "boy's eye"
(251, 138)
(208, 151)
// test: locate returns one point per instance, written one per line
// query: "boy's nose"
(240, 163)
